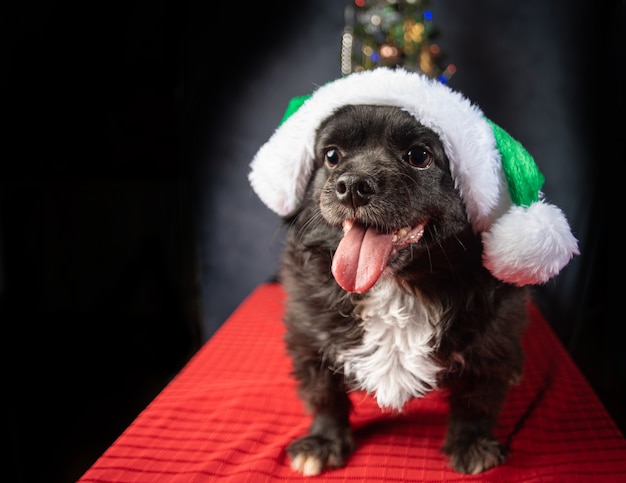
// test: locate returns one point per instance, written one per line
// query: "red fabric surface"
(230, 412)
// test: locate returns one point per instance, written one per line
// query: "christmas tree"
(392, 33)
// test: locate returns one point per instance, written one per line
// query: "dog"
(414, 227)
(387, 291)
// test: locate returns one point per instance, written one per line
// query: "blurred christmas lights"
(392, 33)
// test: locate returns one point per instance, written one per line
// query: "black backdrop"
(128, 232)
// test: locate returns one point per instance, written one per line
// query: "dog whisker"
(460, 242)
(307, 227)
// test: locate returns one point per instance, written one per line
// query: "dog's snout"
(355, 189)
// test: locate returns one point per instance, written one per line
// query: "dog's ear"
(526, 240)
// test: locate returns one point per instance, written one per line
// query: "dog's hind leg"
(329, 441)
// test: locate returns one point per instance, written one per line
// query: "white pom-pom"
(529, 245)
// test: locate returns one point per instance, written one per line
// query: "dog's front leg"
(470, 442)
(329, 441)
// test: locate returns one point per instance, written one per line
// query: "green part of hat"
(293, 106)
(522, 174)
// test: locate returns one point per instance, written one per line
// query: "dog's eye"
(332, 156)
(418, 157)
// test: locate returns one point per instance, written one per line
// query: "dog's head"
(384, 179)
(526, 240)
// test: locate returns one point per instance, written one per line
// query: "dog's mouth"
(363, 253)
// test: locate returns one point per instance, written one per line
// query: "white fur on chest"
(394, 361)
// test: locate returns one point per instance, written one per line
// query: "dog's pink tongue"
(360, 258)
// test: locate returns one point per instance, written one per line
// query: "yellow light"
(426, 62)
(417, 29)
(413, 31)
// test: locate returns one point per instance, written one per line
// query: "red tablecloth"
(230, 412)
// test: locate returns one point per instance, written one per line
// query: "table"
(229, 413)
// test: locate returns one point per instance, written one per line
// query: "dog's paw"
(311, 454)
(480, 455)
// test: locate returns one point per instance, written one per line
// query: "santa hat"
(525, 239)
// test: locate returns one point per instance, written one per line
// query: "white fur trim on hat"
(281, 169)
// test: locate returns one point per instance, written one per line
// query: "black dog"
(387, 292)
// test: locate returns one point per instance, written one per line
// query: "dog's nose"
(355, 189)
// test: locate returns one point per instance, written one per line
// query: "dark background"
(128, 231)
